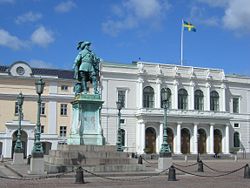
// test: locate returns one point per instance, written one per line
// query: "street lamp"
(165, 149)
(18, 146)
(37, 150)
(119, 105)
(198, 153)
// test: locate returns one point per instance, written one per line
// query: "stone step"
(190, 156)
(96, 148)
(52, 168)
(85, 161)
(87, 154)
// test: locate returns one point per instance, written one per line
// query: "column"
(158, 94)
(207, 100)
(191, 94)
(211, 139)
(175, 95)
(195, 141)
(160, 136)
(140, 92)
(223, 98)
(178, 139)
(226, 145)
(140, 137)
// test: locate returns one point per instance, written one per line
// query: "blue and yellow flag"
(188, 26)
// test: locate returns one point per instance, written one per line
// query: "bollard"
(140, 160)
(171, 174)
(79, 176)
(28, 159)
(1, 158)
(200, 166)
(186, 158)
(235, 158)
(247, 172)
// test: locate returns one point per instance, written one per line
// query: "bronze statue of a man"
(86, 68)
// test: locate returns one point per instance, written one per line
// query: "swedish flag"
(188, 26)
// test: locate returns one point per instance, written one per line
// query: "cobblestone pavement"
(220, 167)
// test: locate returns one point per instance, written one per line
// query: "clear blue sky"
(45, 33)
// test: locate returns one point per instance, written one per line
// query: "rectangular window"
(63, 110)
(122, 97)
(235, 105)
(16, 108)
(42, 112)
(236, 125)
(42, 128)
(63, 131)
(64, 88)
(122, 121)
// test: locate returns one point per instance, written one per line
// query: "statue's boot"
(84, 85)
(94, 82)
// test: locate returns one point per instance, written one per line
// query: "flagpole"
(182, 29)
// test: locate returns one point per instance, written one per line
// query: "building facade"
(207, 110)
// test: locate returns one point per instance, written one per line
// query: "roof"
(3, 68)
(66, 74)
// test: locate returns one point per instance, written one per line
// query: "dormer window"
(20, 70)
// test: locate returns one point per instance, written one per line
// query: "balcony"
(172, 113)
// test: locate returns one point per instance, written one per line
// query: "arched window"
(123, 137)
(214, 101)
(182, 99)
(236, 139)
(148, 97)
(198, 100)
(169, 99)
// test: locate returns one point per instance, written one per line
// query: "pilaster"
(191, 98)
(140, 92)
(158, 93)
(207, 97)
(175, 95)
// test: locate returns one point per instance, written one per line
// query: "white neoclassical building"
(208, 109)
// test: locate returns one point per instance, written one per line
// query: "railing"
(185, 113)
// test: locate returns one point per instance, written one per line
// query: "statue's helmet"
(82, 44)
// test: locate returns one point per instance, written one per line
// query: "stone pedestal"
(36, 165)
(86, 128)
(91, 157)
(18, 158)
(164, 161)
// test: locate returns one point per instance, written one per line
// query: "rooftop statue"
(86, 68)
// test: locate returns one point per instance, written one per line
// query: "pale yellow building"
(55, 110)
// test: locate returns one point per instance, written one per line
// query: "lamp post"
(198, 153)
(119, 105)
(18, 146)
(37, 150)
(165, 149)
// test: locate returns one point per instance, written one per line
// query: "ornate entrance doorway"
(202, 141)
(185, 141)
(24, 138)
(217, 141)
(150, 140)
(170, 139)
